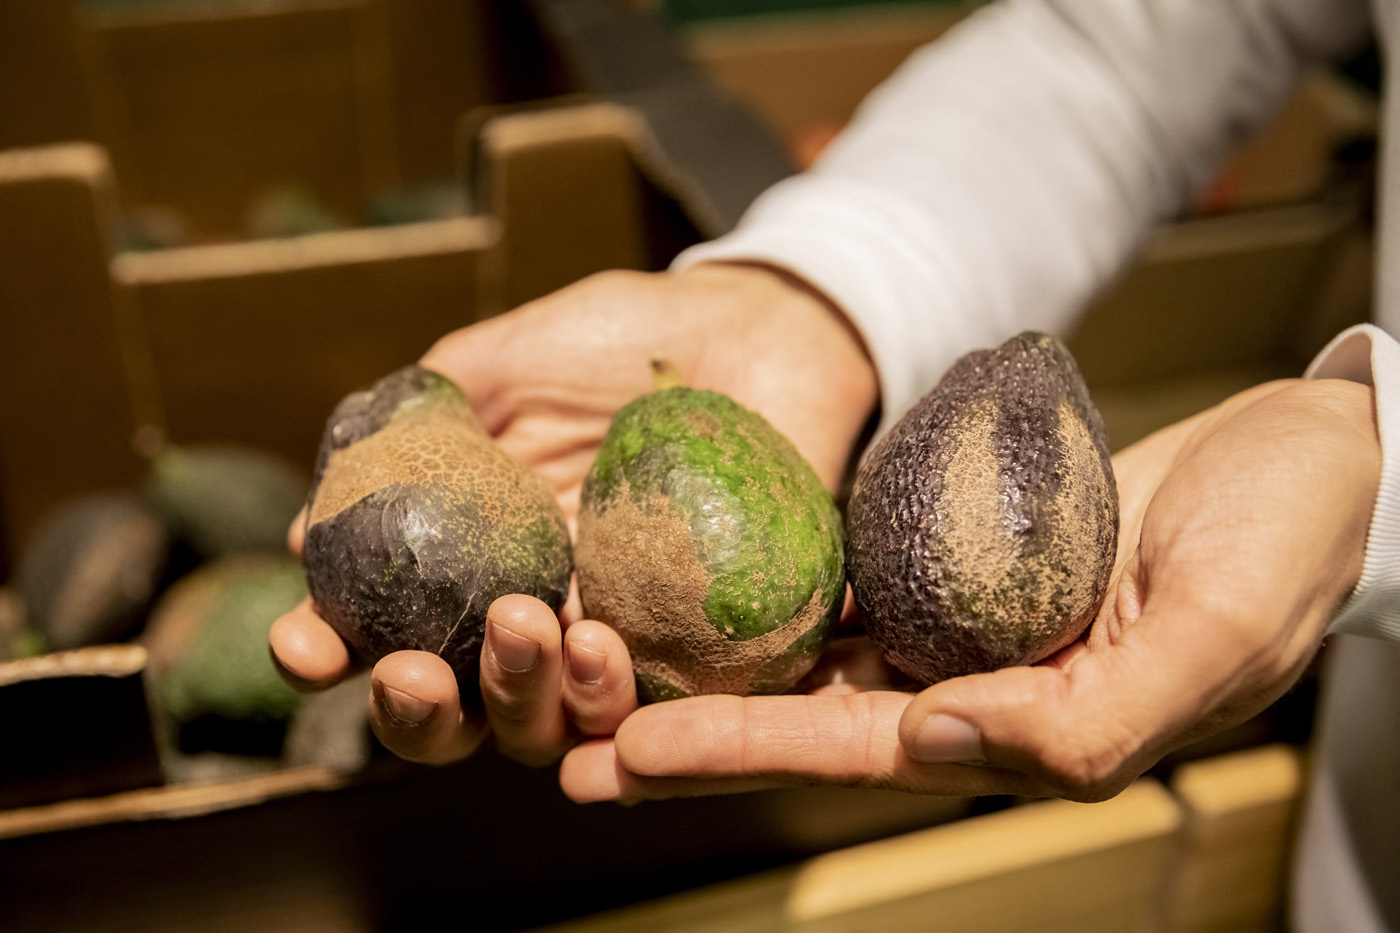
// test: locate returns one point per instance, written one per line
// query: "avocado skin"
(430, 523)
(217, 688)
(385, 590)
(362, 413)
(983, 526)
(92, 569)
(226, 498)
(708, 542)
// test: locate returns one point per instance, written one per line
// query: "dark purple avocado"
(982, 528)
(418, 521)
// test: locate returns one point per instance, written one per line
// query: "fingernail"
(514, 653)
(407, 708)
(944, 738)
(586, 665)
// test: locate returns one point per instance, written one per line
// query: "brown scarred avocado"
(982, 527)
(418, 521)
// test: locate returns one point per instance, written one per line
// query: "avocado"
(983, 526)
(709, 544)
(215, 684)
(92, 569)
(18, 639)
(226, 498)
(418, 521)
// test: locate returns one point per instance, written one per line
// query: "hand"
(1242, 530)
(545, 380)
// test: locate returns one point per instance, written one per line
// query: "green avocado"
(709, 544)
(207, 640)
(227, 498)
(418, 521)
(983, 525)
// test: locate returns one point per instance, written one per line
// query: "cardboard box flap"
(578, 188)
(237, 331)
(58, 211)
(78, 726)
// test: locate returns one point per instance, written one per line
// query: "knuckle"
(1085, 770)
(511, 711)
(610, 279)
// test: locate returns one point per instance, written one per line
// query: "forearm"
(1008, 171)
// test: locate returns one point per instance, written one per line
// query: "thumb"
(476, 358)
(1086, 724)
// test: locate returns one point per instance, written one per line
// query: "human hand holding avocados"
(1226, 572)
(545, 381)
(1241, 530)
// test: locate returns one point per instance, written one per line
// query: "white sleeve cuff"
(1368, 355)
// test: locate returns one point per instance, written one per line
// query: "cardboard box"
(210, 108)
(1216, 305)
(806, 73)
(1205, 852)
(213, 110)
(201, 342)
(203, 105)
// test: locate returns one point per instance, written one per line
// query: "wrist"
(778, 300)
(790, 352)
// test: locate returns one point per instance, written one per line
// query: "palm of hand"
(547, 378)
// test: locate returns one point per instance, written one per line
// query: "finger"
(599, 690)
(573, 603)
(307, 651)
(296, 532)
(415, 709)
(471, 357)
(835, 690)
(591, 773)
(521, 671)
(844, 739)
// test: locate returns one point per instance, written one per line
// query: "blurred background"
(217, 217)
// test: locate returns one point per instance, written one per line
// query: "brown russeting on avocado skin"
(652, 588)
(434, 448)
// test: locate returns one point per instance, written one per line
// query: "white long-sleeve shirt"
(1006, 173)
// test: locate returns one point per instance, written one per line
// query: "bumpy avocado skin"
(983, 526)
(227, 498)
(708, 542)
(418, 522)
(207, 638)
